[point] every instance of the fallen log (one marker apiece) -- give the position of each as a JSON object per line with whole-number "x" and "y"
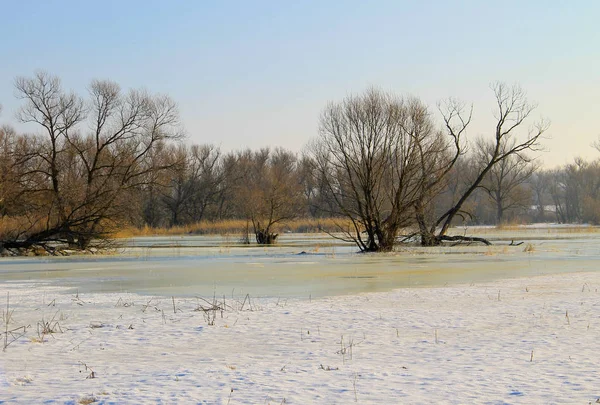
{"x": 464, "y": 239}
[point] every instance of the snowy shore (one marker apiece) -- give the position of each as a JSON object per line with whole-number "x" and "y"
{"x": 527, "y": 340}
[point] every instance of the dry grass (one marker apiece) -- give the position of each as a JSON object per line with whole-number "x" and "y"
{"x": 566, "y": 229}
{"x": 509, "y": 227}
{"x": 520, "y": 229}
{"x": 10, "y": 227}
{"x": 583, "y": 229}
{"x": 235, "y": 226}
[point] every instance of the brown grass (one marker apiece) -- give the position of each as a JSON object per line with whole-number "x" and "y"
{"x": 574, "y": 229}
{"x": 235, "y": 226}
{"x": 11, "y": 226}
{"x": 529, "y": 248}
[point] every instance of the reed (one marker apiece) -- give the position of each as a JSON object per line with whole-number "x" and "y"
{"x": 234, "y": 226}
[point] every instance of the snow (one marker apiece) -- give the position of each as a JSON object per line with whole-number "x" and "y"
{"x": 523, "y": 340}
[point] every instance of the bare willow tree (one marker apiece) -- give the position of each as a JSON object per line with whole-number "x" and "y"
{"x": 512, "y": 112}
{"x": 371, "y": 154}
{"x": 439, "y": 156}
{"x": 87, "y": 156}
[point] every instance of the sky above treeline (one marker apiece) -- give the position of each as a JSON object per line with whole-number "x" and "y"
{"x": 258, "y": 73}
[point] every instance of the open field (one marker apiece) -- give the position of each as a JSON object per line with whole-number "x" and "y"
{"x": 207, "y": 321}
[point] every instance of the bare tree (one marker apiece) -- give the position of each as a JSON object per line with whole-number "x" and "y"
{"x": 370, "y": 155}
{"x": 540, "y": 186}
{"x": 270, "y": 191}
{"x": 194, "y": 183}
{"x": 557, "y": 189}
{"x": 178, "y": 191}
{"x": 88, "y": 155}
{"x": 505, "y": 181}
{"x": 10, "y": 190}
{"x": 207, "y": 181}
{"x": 595, "y": 144}
{"x": 513, "y": 110}
{"x": 438, "y": 157}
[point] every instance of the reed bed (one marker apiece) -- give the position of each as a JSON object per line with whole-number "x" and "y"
{"x": 235, "y": 226}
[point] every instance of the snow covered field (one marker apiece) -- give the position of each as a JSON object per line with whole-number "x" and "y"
{"x": 525, "y": 340}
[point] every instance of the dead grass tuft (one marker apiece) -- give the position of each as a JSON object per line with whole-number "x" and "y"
{"x": 529, "y": 248}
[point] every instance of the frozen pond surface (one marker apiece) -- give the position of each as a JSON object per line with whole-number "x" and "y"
{"x": 306, "y": 265}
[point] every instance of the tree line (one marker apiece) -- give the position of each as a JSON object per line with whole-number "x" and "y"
{"x": 384, "y": 168}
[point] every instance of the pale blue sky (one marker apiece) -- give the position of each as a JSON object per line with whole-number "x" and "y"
{"x": 257, "y": 73}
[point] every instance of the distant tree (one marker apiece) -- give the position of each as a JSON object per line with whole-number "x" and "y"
{"x": 207, "y": 181}
{"x": 309, "y": 183}
{"x": 539, "y": 183}
{"x": 557, "y": 192}
{"x": 575, "y": 191}
{"x": 505, "y": 182}
{"x": 194, "y": 183}
{"x": 232, "y": 170}
{"x": 178, "y": 190}
{"x": 595, "y": 144}
{"x": 11, "y": 192}
{"x": 270, "y": 191}
{"x": 573, "y": 183}
{"x": 583, "y": 190}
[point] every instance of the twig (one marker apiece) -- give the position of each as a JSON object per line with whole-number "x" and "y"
{"x": 6, "y": 319}
{"x": 88, "y": 368}
{"x": 247, "y": 297}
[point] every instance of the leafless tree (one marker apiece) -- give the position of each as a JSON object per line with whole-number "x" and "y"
{"x": 10, "y": 189}
{"x": 557, "y": 191}
{"x": 270, "y": 191}
{"x": 88, "y": 154}
{"x": 438, "y": 159}
{"x": 505, "y": 183}
{"x": 194, "y": 183}
{"x": 207, "y": 182}
{"x": 371, "y": 155}
{"x": 595, "y": 144}
{"x": 539, "y": 184}
{"x": 581, "y": 191}
{"x": 512, "y": 112}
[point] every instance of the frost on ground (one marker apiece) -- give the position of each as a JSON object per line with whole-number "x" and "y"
{"x": 531, "y": 340}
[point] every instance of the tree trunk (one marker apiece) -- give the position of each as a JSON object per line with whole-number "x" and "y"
{"x": 499, "y": 212}
{"x": 428, "y": 237}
